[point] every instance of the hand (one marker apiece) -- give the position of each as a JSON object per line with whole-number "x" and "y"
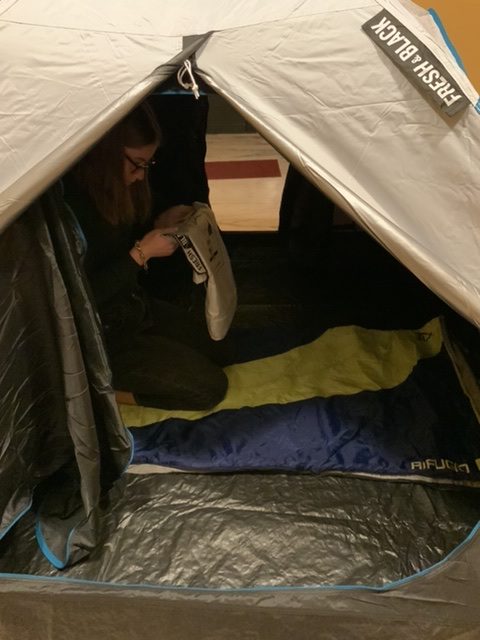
{"x": 155, "y": 244}
{"x": 173, "y": 216}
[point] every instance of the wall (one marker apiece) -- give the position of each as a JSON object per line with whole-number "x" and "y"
{"x": 461, "y": 19}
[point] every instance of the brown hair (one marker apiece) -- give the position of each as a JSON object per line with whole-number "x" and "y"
{"x": 100, "y": 172}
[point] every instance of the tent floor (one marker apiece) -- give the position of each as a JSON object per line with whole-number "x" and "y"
{"x": 248, "y": 530}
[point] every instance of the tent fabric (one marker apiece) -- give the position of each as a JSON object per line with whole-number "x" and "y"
{"x": 224, "y": 542}
{"x": 239, "y": 531}
{"x": 71, "y": 445}
{"x": 72, "y": 104}
{"x": 129, "y": 612}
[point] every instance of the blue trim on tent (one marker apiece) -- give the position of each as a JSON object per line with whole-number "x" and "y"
{"x": 18, "y": 517}
{"x": 132, "y": 450}
{"x": 44, "y": 548}
{"x": 178, "y": 92}
{"x": 436, "y": 18}
{"x": 448, "y": 42}
{"x": 117, "y": 585}
{"x": 79, "y": 230}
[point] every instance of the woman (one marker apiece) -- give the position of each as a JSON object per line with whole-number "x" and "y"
{"x": 158, "y": 355}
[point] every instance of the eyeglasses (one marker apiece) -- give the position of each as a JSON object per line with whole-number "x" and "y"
{"x": 144, "y": 166}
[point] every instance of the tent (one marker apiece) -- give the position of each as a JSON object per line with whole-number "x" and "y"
{"x": 366, "y": 100}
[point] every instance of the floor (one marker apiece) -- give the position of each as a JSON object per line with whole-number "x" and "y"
{"x": 249, "y": 201}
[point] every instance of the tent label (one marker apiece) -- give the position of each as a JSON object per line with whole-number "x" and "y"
{"x": 418, "y": 63}
{"x": 440, "y": 465}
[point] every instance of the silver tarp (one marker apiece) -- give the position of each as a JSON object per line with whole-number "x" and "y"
{"x": 262, "y": 530}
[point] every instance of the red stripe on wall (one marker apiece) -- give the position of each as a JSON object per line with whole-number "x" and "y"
{"x": 240, "y": 169}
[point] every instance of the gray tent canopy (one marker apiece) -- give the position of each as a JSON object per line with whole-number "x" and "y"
{"x": 329, "y": 84}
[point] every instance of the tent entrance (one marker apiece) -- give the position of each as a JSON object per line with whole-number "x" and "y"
{"x": 248, "y": 530}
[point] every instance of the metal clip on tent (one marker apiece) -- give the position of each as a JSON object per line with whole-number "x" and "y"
{"x": 187, "y": 68}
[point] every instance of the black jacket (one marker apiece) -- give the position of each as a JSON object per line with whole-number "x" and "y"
{"x": 111, "y": 271}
